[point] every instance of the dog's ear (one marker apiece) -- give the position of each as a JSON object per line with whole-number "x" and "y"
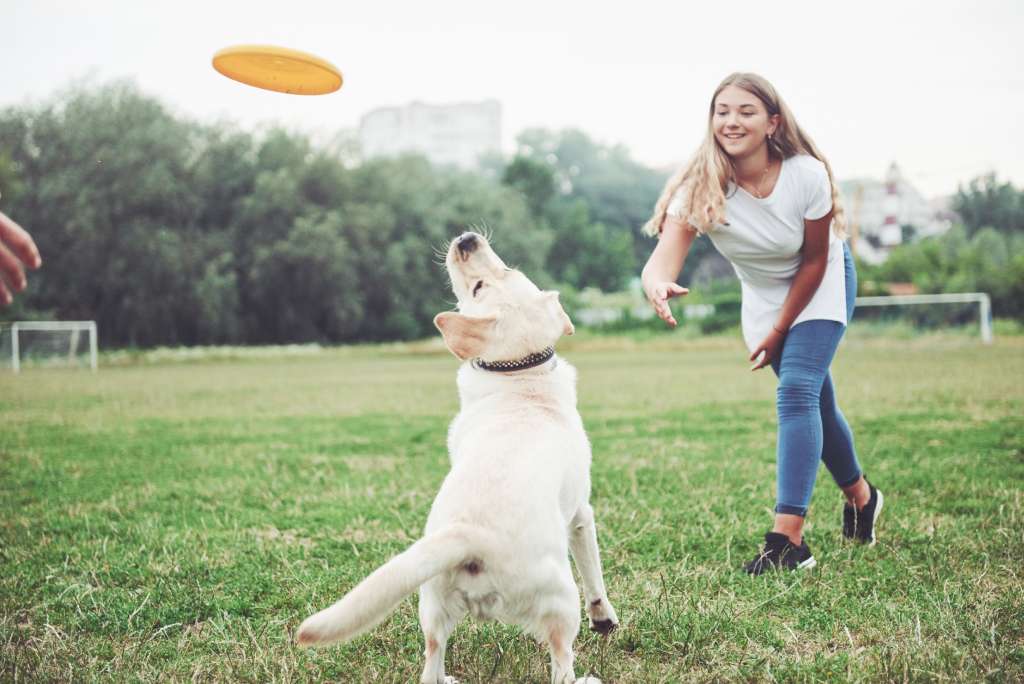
{"x": 465, "y": 336}
{"x": 551, "y": 299}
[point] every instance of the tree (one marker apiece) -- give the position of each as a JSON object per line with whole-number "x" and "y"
{"x": 534, "y": 179}
{"x": 986, "y": 202}
{"x": 170, "y": 232}
{"x": 106, "y": 192}
{"x": 306, "y": 288}
{"x": 991, "y": 261}
{"x": 619, "y": 192}
{"x": 586, "y": 253}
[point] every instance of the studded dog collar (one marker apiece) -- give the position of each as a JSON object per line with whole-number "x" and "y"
{"x": 535, "y": 359}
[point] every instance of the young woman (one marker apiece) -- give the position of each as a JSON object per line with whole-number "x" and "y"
{"x": 765, "y": 195}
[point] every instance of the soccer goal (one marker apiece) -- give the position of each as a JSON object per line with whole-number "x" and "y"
{"x": 51, "y": 343}
{"x": 979, "y": 298}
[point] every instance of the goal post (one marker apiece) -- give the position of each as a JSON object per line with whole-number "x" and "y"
{"x": 73, "y": 328}
{"x": 980, "y": 298}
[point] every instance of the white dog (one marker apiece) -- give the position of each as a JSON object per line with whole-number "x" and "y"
{"x": 515, "y": 502}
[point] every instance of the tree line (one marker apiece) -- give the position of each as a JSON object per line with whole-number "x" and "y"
{"x": 171, "y": 232}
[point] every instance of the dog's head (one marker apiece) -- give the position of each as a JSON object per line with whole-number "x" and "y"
{"x": 502, "y": 316}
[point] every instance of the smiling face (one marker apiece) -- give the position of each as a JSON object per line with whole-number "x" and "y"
{"x": 502, "y": 315}
{"x": 740, "y": 122}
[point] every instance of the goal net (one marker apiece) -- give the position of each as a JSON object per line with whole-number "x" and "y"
{"x": 48, "y": 344}
{"x": 930, "y": 312}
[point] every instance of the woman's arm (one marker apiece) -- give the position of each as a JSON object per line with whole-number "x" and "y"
{"x": 811, "y": 272}
{"x": 805, "y": 284}
{"x": 665, "y": 264}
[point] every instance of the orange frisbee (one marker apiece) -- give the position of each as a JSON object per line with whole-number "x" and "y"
{"x": 279, "y": 69}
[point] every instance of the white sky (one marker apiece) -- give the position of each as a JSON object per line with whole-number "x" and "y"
{"x": 936, "y": 86}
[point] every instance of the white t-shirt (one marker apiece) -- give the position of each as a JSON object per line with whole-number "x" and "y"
{"x": 763, "y": 240}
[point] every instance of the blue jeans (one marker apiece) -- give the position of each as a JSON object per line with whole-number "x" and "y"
{"x": 811, "y": 426}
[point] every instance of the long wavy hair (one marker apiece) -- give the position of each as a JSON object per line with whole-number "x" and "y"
{"x": 705, "y": 178}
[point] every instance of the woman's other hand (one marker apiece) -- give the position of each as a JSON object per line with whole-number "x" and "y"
{"x": 768, "y": 350}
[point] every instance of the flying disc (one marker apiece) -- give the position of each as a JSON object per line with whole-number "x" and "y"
{"x": 279, "y": 69}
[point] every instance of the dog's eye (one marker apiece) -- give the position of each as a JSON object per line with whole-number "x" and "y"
{"x": 476, "y": 288}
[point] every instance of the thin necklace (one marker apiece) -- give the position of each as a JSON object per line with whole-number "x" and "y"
{"x": 757, "y": 190}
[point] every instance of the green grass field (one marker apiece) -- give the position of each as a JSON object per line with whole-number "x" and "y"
{"x": 176, "y": 521}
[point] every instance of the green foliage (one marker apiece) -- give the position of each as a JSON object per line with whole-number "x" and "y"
{"x": 727, "y": 305}
{"x": 618, "y": 192}
{"x": 990, "y": 261}
{"x": 106, "y": 193}
{"x": 309, "y": 278}
{"x": 534, "y": 179}
{"x": 167, "y": 232}
{"x": 593, "y": 198}
{"x": 987, "y": 203}
{"x": 586, "y": 253}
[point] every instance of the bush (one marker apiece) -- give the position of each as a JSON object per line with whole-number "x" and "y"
{"x": 989, "y": 261}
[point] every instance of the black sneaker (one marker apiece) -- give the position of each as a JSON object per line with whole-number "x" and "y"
{"x": 781, "y": 554}
{"x": 860, "y": 525}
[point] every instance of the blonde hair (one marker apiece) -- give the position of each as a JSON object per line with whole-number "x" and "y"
{"x": 705, "y": 178}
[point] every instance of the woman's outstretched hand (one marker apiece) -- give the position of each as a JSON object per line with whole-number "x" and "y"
{"x": 658, "y": 295}
{"x": 16, "y": 252}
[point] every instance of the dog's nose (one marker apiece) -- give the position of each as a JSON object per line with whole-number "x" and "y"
{"x": 467, "y": 243}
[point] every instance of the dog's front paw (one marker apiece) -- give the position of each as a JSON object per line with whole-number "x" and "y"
{"x": 603, "y": 619}
{"x": 587, "y": 680}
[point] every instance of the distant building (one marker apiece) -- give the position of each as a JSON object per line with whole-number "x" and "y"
{"x": 454, "y": 134}
{"x": 882, "y": 215}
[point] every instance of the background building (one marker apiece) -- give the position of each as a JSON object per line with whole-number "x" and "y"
{"x": 455, "y": 134}
{"x": 883, "y": 214}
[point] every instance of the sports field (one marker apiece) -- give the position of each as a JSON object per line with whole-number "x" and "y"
{"x": 177, "y": 520}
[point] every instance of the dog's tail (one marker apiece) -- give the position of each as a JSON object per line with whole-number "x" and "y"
{"x": 373, "y": 599}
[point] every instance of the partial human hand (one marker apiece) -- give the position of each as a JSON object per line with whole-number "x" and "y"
{"x": 17, "y": 250}
{"x": 658, "y": 295}
{"x": 768, "y": 350}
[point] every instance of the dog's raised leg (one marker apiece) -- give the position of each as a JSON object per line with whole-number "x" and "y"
{"x": 583, "y": 544}
{"x": 437, "y": 621}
